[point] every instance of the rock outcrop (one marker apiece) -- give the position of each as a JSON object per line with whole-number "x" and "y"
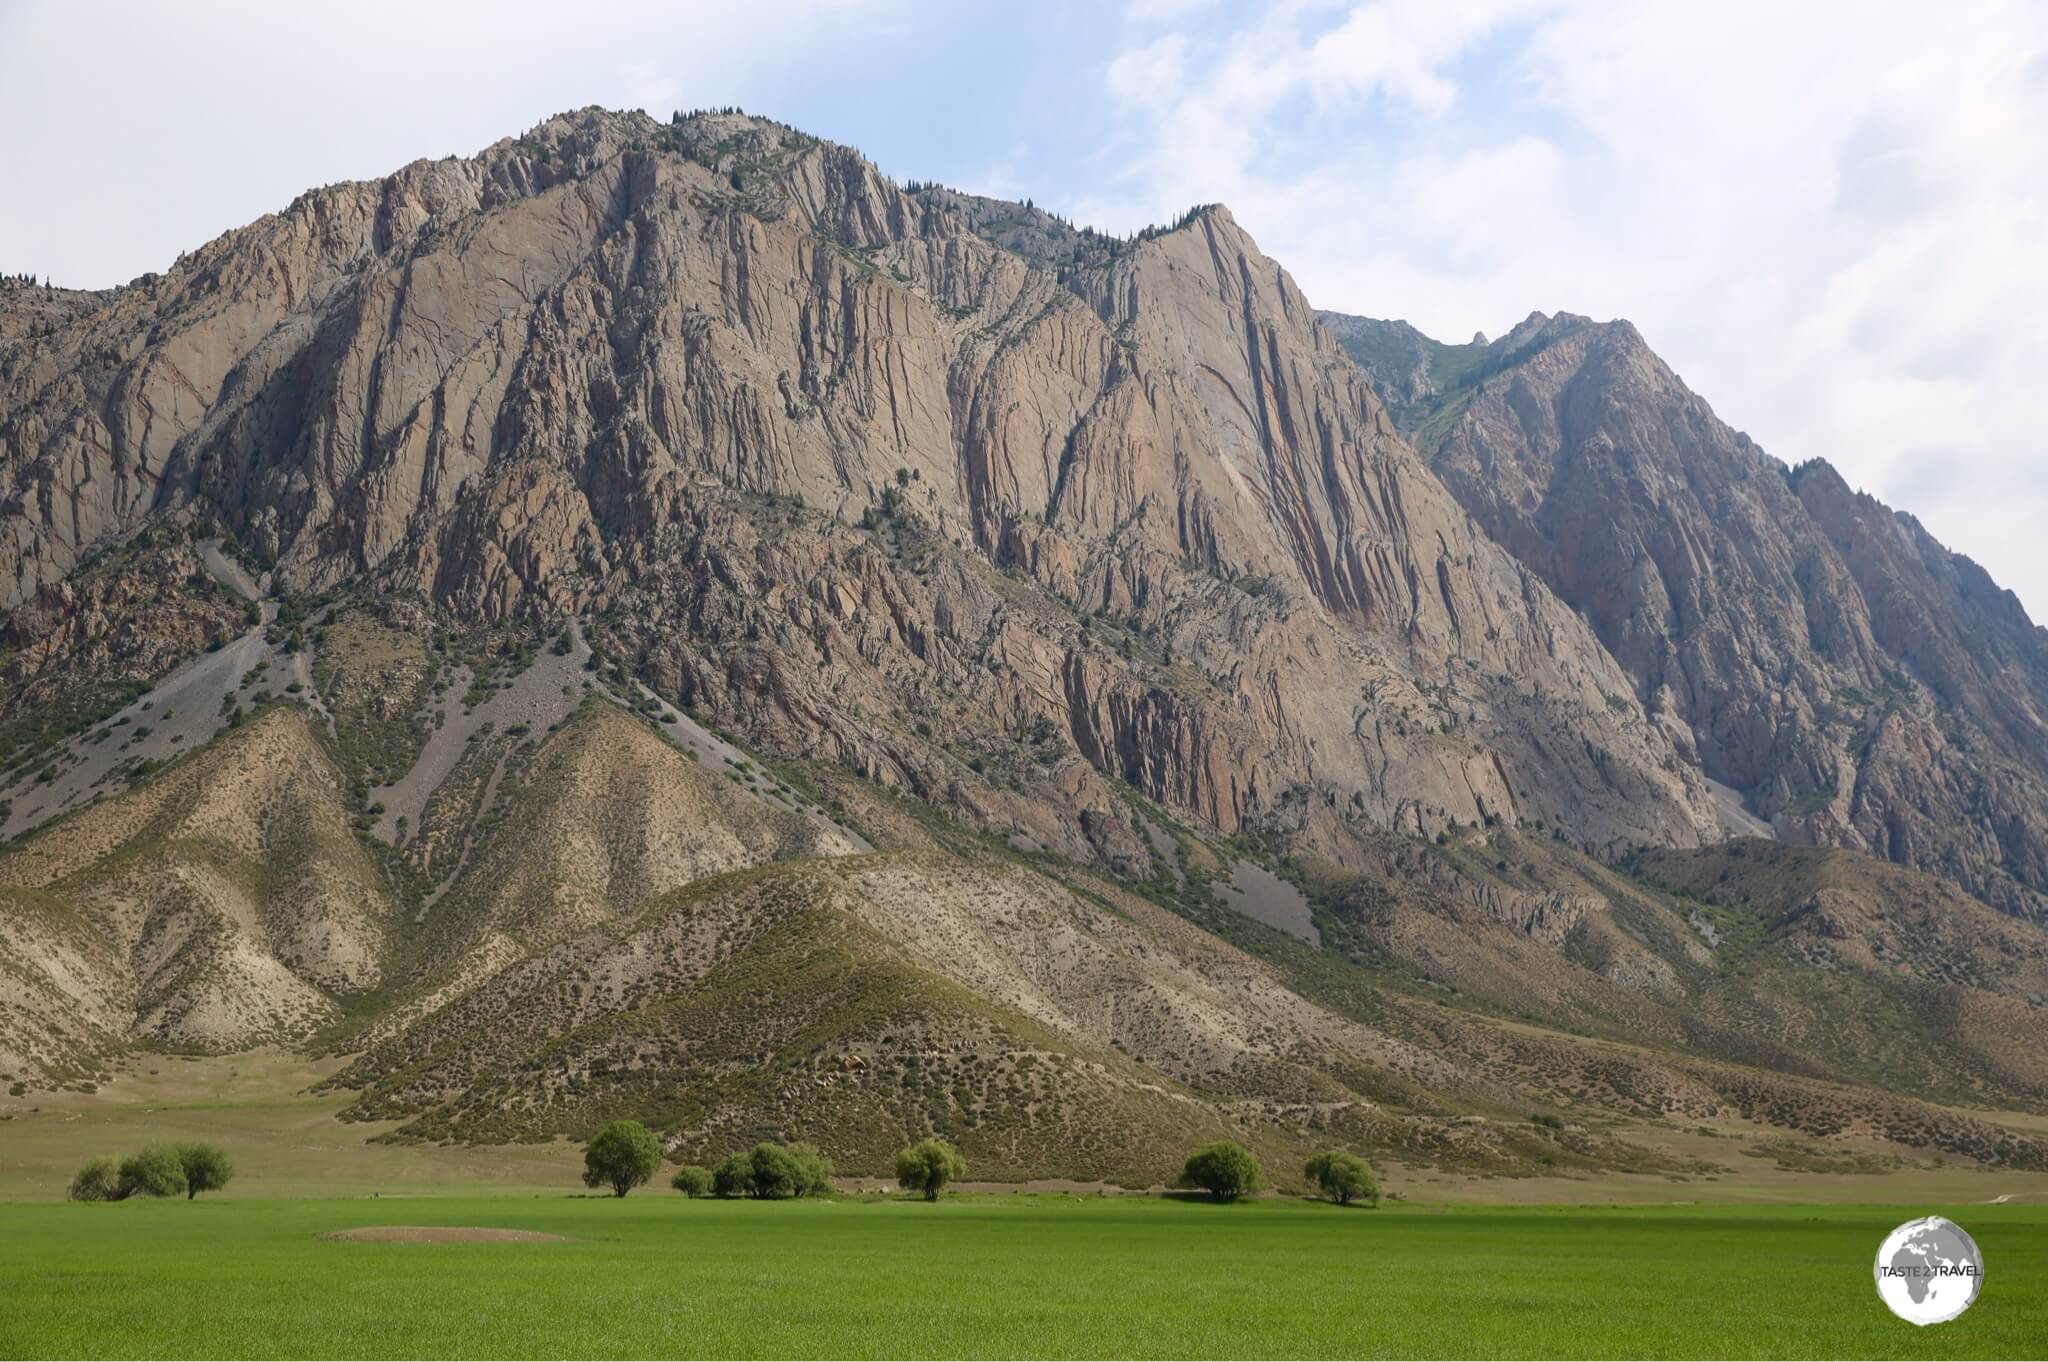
{"x": 1859, "y": 683}
{"x": 729, "y": 386}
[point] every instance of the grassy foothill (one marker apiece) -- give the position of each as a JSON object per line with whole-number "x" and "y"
{"x": 988, "y": 1276}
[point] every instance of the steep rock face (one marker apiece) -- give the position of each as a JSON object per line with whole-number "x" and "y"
{"x": 115, "y": 625}
{"x": 1862, "y": 685}
{"x": 531, "y": 384}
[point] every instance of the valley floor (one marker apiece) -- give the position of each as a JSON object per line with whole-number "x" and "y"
{"x": 1779, "y": 1267}
{"x": 987, "y": 1276}
{"x": 286, "y": 1142}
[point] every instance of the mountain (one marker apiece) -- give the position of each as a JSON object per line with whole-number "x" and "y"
{"x": 663, "y": 372}
{"x": 658, "y": 619}
{"x": 633, "y": 930}
{"x": 1859, "y": 684}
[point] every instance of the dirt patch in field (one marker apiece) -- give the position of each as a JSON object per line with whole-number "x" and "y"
{"x": 441, "y": 1234}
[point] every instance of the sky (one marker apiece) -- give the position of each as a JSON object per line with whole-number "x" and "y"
{"x": 1830, "y": 218}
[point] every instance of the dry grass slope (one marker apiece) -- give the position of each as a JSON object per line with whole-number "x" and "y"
{"x": 224, "y": 904}
{"x": 632, "y": 932}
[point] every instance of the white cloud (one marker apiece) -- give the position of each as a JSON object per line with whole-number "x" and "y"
{"x": 1398, "y": 48}
{"x": 1144, "y": 76}
{"x": 143, "y": 130}
{"x": 649, "y": 89}
{"x": 1827, "y": 216}
{"x": 1162, "y": 11}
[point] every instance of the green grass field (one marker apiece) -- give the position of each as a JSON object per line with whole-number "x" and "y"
{"x": 995, "y": 1276}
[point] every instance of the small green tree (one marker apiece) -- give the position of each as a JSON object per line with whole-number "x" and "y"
{"x": 692, "y": 1181}
{"x": 99, "y": 1180}
{"x": 733, "y": 1176}
{"x": 928, "y": 1166}
{"x": 621, "y": 1156}
{"x": 156, "y": 1171}
{"x": 772, "y": 1174}
{"x": 206, "y": 1168}
{"x": 814, "y": 1170}
{"x": 1344, "y": 1178}
{"x": 1226, "y": 1170}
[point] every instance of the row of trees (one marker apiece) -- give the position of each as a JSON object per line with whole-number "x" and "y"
{"x": 767, "y": 1172}
{"x": 160, "y": 1170}
{"x": 626, "y": 1154}
{"x": 1226, "y": 1170}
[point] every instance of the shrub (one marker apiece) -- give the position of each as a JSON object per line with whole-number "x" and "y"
{"x": 733, "y": 1176}
{"x": 1225, "y": 1170}
{"x": 814, "y": 1170}
{"x": 692, "y": 1181}
{"x": 99, "y": 1180}
{"x": 156, "y": 1171}
{"x": 928, "y": 1166}
{"x": 1345, "y": 1178}
{"x": 773, "y": 1172}
{"x": 621, "y": 1156}
{"x": 206, "y": 1168}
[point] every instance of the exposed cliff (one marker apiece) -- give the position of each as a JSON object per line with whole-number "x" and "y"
{"x": 533, "y": 384}
{"x": 1861, "y": 684}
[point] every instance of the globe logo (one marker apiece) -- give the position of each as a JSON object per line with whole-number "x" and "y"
{"x": 1929, "y": 1271}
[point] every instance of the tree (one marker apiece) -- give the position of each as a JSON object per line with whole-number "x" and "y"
{"x": 156, "y": 1171}
{"x": 733, "y": 1176}
{"x": 1226, "y": 1170}
{"x": 773, "y": 1172}
{"x": 1344, "y": 1177}
{"x": 206, "y": 1168}
{"x": 814, "y": 1170}
{"x": 928, "y": 1166}
{"x": 790, "y": 1170}
{"x": 692, "y": 1181}
{"x": 99, "y": 1180}
{"x": 621, "y": 1156}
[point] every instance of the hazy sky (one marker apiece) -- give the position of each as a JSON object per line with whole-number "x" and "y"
{"x": 1831, "y": 218}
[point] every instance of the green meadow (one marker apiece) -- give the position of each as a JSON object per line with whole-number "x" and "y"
{"x": 988, "y": 1276}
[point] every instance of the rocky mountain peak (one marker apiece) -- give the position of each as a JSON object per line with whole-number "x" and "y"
{"x": 525, "y": 385}
{"x": 1833, "y": 663}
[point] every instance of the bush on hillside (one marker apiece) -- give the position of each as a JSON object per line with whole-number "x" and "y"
{"x": 692, "y": 1181}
